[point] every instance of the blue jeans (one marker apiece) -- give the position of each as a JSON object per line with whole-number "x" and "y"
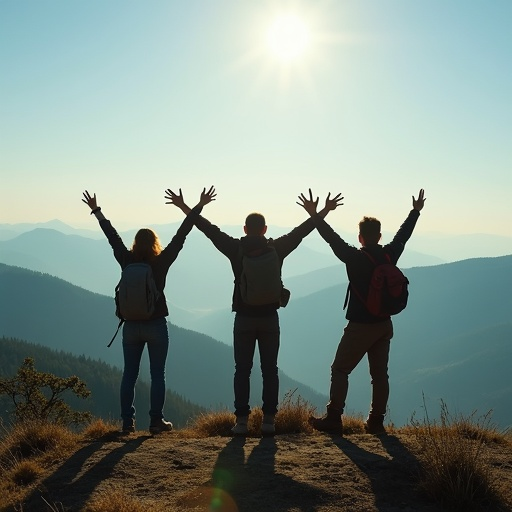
{"x": 135, "y": 335}
{"x": 245, "y": 333}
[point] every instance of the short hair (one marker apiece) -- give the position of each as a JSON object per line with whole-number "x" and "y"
{"x": 146, "y": 245}
{"x": 369, "y": 229}
{"x": 255, "y": 224}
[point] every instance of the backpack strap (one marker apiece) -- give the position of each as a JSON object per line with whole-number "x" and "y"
{"x": 121, "y": 322}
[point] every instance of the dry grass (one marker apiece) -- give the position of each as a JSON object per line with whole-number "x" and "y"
{"x": 25, "y": 451}
{"x": 99, "y": 429}
{"x": 292, "y": 418}
{"x": 454, "y": 471}
{"x": 116, "y": 501}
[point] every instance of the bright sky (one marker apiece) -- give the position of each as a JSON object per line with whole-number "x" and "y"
{"x": 262, "y": 99}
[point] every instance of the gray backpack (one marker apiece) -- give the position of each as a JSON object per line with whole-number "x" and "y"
{"x": 260, "y": 281}
{"x": 136, "y": 294}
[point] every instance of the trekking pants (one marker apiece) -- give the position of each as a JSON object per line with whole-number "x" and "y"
{"x": 247, "y": 330}
{"x": 359, "y": 339}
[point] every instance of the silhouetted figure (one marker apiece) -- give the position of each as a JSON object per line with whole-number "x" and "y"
{"x": 364, "y": 333}
{"x": 153, "y": 331}
{"x": 253, "y": 323}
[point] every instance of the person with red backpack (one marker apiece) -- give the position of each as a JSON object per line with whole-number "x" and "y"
{"x": 377, "y": 290}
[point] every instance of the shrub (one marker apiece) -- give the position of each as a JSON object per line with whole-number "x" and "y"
{"x": 38, "y": 396}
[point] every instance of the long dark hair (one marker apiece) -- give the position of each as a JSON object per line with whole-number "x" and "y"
{"x": 146, "y": 245}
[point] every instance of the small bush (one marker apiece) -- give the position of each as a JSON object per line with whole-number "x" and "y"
{"x": 38, "y": 396}
{"x": 451, "y": 454}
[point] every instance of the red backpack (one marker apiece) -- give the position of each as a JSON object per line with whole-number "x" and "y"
{"x": 388, "y": 291}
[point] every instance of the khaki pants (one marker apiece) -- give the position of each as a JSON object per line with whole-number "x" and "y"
{"x": 357, "y": 340}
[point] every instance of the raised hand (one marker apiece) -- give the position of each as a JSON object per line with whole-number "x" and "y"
{"x": 207, "y": 197}
{"x": 310, "y": 205}
{"x": 175, "y": 199}
{"x": 332, "y": 204}
{"x": 90, "y": 200}
{"x": 418, "y": 204}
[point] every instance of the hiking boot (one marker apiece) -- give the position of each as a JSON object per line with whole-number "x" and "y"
{"x": 128, "y": 426}
{"x": 330, "y": 423}
{"x": 268, "y": 427}
{"x": 375, "y": 425}
{"x": 159, "y": 425}
{"x": 240, "y": 427}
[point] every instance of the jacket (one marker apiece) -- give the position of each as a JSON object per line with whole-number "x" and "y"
{"x": 230, "y": 247}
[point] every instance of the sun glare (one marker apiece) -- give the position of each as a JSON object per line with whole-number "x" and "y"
{"x": 288, "y": 37}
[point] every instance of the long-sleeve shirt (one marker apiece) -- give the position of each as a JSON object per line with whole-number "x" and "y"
{"x": 233, "y": 247}
{"x": 160, "y": 264}
{"x": 359, "y": 267}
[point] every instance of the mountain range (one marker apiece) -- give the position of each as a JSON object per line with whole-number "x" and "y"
{"x": 458, "y": 317}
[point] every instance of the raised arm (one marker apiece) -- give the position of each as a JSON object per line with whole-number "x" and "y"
{"x": 92, "y": 203}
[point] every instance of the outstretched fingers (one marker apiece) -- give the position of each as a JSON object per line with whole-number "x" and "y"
{"x": 89, "y": 200}
{"x": 172, "y": 197}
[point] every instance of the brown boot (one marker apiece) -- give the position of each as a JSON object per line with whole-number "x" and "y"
{"x": 375, "y": 424}
{"x": 330, "y": 423}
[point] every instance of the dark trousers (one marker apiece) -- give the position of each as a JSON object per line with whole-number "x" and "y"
{"x": 358, "y": 340}
{"x": 246, "y": 331}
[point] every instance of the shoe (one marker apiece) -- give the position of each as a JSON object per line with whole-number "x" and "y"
{"x": 160, "y": 425}
{"x": 331, "y": 424}
{"x": 240, "y": 427}
{"x": 128, "y": 426}
{"x": 268, "y": 427}
{"x": 374, "y": 425}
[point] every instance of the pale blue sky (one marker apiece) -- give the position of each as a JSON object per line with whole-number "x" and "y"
{"x": 127, "y": 98}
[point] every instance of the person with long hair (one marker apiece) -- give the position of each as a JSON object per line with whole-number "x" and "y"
{"x": 146, "y": 248}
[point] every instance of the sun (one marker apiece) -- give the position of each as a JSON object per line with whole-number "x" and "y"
{"x": 288, "y": 37}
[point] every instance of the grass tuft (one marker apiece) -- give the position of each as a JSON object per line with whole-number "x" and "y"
{"x": 454, "y": 471}
{"x": 117, "y": 501}
{"x": 99, "y": 429}
{"x": 24, "y": 473}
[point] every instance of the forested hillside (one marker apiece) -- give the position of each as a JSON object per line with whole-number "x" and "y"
{"x": 43, "y": 309}
{"x": 102, "y": 380}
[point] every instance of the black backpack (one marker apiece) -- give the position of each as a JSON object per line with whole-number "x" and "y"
{"x": 136, "y": 294}
{"x": 388, "y": 291}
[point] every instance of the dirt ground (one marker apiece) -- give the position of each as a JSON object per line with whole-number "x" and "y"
{"x": 292, "y": 473}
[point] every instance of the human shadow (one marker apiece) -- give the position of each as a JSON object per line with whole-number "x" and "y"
{"x": 393, "y": 480}
{"x": 256, "y": 486}
{"x": 70, "y": 485}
